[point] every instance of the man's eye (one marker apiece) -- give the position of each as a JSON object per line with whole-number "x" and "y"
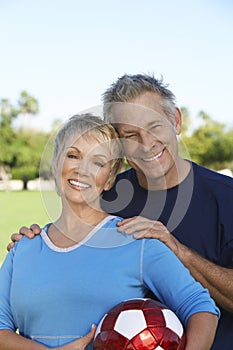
{"x": 156, "y": 126}
{"x": 129, "y": 136}
{"x": 99, "y": 164}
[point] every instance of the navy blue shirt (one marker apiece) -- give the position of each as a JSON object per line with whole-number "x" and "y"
{"x": 198, "y": 212}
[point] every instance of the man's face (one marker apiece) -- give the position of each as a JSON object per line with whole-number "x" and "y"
{"x": 149, "y": 137}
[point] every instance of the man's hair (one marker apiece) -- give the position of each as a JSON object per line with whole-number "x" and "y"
{"x": 88, "y": 125}
{"x": 128, "y": 87}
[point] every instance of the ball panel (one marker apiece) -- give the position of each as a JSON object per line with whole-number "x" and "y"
{"x": 154, "y": 317}
{"x": 182, "y": 343}
{"x": 110, "y": 340}
{"x": 173, "y": 322}
{"x": 126, "y": 325}
{"x": 157, "y": 333}
{"x": 133, "y": 304}
{"x": 170, "y": 340}
{"x": 144, "y": 341}
{"x": 108, "y": 322}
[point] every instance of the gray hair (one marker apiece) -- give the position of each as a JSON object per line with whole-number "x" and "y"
{"x": 128, "y": 87}
{"x": 89, "y": 125}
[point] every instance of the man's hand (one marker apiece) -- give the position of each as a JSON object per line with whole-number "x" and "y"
{"x": 146, "y": 228}
{"x": 24, "y": 231}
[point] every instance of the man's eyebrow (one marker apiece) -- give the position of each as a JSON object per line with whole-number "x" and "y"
{"x": 154, "y": 122}
{"x": 131, "y": 128}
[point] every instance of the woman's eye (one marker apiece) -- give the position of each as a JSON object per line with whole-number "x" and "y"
{"x": 72, "y": 156}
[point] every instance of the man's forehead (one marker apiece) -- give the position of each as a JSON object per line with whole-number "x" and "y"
{"x": 136, "y": 115}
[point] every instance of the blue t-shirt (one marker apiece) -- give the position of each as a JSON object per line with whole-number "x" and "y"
{"x": 198, "y": 212}
{"x": 53, "y": 295}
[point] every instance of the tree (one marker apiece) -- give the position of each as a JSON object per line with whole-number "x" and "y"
{"x": 8, "y": 113}
{"x": 28, "y": 105}
{"x": 210, "y": 144}
{"x": 28, "y": 150}
{"x": 20, "y": 150}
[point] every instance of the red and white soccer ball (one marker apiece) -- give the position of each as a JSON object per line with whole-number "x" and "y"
{"x": 140, "y": 324}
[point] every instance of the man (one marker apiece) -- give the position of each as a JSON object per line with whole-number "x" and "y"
{"x": 186, "y": 206}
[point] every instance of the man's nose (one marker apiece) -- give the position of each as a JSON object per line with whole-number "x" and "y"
{"x": 148, "y": 140}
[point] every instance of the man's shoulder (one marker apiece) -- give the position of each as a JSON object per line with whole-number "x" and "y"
{"x": 212, "y": 178}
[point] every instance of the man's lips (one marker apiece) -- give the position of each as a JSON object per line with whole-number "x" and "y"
{"x": 150, "y": 159}
{"x": 78, "y": 184}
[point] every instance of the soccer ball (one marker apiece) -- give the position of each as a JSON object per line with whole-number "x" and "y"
{"x": 140, "y": 324}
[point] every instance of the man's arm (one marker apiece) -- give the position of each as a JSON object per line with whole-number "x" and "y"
{"x": 218, "y": 280}
{"x": 24, "y": 231}
{"x": 201, "y": 331}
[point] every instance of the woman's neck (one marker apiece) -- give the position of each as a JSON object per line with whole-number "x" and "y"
{"x": 74, "y": 225}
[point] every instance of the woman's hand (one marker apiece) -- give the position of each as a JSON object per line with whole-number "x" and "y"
{"x": 24, "y": 231}
{"x": 145, "y": 228}
{"x": 9, "y": 340}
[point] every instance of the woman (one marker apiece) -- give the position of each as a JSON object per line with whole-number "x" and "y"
{"x": 54, "y": 287}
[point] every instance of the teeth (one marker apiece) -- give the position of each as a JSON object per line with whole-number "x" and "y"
{"x": 79, "y": 184}
{"x": 153, "y": 158}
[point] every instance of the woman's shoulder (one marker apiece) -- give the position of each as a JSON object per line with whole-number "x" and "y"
{"x": 107, "y": 235}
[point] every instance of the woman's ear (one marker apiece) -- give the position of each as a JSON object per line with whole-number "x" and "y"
{"x": 178, "y": 121}
{"x": 108, "y": 185}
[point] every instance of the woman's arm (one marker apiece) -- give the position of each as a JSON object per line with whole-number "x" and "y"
{"x": 201, "y": 329}
{"x": 12, "y": 341}
{"x": 217, "y": 279}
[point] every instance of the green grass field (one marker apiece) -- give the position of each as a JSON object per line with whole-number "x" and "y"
{"x": 18, "y": 209}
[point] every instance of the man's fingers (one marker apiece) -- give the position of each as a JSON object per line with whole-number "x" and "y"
{"x": 16, "y": 237}
{"x": 35, "y": 229}
{"x": 25, "y": 231}
{"x": 125, "y": 221}
{"x": 10, "y": 246}
{"x": 136, "y": 226}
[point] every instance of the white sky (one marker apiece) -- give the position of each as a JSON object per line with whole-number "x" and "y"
{"x": 67, "y": 52}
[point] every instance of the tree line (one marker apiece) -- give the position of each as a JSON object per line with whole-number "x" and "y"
{"x": 21, "y": 148}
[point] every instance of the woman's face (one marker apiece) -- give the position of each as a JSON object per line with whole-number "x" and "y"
{"x": 83, "y": 170}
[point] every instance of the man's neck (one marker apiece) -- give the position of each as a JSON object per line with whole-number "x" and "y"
{"x": 174, "y": 177}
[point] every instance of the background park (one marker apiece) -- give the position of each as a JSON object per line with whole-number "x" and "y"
{"x": 22, "y": 149}
{"x": 59, "y": 56}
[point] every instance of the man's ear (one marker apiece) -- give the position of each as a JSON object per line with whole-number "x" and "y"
{"x": 178, "y": 121}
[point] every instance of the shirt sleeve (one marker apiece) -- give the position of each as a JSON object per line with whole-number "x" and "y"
{"x": 6, "y": 317}
{"x": 172, "y": 283}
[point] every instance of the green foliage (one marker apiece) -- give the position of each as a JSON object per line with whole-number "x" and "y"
{"x": 210, "y": 144}
{"x": 8, "y": 113}
{"x": 28, "y": 104}
{"x": 21, "y": 149}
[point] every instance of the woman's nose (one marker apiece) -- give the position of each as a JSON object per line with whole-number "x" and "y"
{"x": 82, "y": 167}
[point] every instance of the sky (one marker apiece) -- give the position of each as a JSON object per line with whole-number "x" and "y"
{"x": 67, "y": 52}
